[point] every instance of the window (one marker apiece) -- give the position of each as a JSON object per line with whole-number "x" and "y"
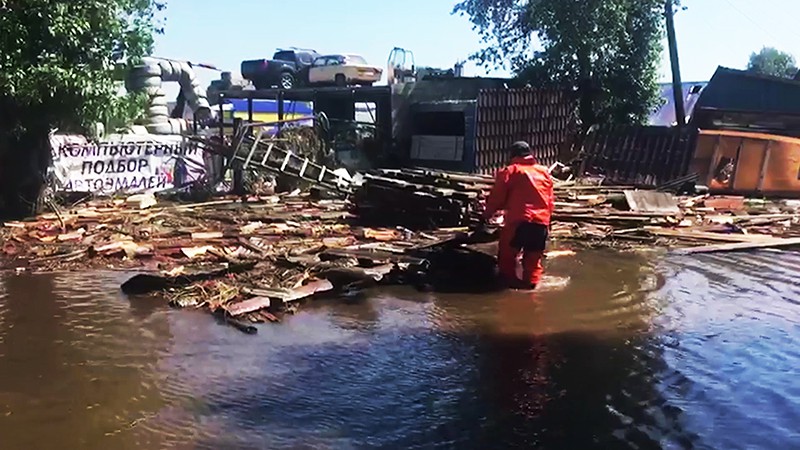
{"x": 724, "y": 170}
{"x": 439, "y": 123}
{"x": 284, "y": 56}
{"x": 355, "y": 59}
{"x": 305, "y": 58}
{"x": 320, "y": 62}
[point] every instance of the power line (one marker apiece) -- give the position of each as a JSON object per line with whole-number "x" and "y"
{"x": 746, "y": 16}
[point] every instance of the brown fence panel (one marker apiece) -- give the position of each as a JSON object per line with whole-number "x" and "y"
{"x": 639, "y": 155}
{"x": 542, "y": 117}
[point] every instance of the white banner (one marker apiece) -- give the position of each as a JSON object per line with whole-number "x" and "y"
{"x": 124, "y": 163}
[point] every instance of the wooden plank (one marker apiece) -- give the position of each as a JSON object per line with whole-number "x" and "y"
{"x": 764, "y": 165}
{"x": 736, "y": 165}
{"x": 722, "y": 237}
{"x": 763, "y": 219}
{"x": 247, "y": 306}
{"x": 741, "y": 246}
{"x": 592, "y": 188}
{"x": 607, "y": 212}
{"x": 594, "y": 216}
{"x": 725, "y": 203}
{"x": 289, "y": 295}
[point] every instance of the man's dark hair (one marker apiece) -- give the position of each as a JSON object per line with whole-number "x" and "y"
{"x": 520, "y": 148}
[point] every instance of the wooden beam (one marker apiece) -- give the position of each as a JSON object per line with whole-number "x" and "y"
{"x": 699, "y": 235}
{"x": 767, "y": 243}
{"x": 764, "y": 166}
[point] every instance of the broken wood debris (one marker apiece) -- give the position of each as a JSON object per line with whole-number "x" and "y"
{"x": 251, "y": 260}
{"x": 754, "y": 245}
{"x": 625, "y": 218}
{"x": 245, "y": 260}
{"x": 420, "y": 199}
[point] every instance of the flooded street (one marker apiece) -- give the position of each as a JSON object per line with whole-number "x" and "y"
{"x": 632, "y": 352}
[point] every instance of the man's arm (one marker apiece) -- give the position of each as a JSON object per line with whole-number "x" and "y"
{"x": 497, "y": 197}
{"x": 551, "y": 196}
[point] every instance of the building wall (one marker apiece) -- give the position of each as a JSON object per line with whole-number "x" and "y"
{"x": 493, "y": 118}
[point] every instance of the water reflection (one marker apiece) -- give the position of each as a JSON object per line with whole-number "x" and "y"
{"x": 618, "y": 358}
{"x": 730, "y": 330}
{"x": 571, "y": 368}
{"x": 75, "y": 370}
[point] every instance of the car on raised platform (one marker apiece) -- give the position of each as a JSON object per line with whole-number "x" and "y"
{"x": 343, "y": 70}
{"x": 287, "y": 69}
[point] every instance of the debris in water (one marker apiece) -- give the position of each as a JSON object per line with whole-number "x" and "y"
{"x": 255, "y": 260}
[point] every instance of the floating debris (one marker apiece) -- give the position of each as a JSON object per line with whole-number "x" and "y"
{"x": 253, "y": 260}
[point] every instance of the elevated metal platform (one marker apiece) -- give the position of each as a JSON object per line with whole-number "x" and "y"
{"x": 310, "y": 94}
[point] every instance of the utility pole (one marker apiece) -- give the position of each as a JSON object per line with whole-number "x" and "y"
{"x": 677, "y": 86}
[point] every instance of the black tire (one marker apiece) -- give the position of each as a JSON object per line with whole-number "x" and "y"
{"x": 261, "y": 84}
{"x": 287, "y": 80}
{"x": 340, "y": 80}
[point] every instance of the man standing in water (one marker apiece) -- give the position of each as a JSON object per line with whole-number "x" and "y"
{"x": 524, "y": 190}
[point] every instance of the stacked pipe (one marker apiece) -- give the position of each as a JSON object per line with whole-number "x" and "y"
{"x": 149, "y": 76}
{"x": 420, "y": 199}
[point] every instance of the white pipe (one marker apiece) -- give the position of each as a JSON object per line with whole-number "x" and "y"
{"x": 149, "y": 77}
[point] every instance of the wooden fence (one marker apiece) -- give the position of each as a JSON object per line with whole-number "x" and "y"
{"x": 644, "y": 156}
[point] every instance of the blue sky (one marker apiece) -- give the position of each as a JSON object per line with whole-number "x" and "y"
{"x": 223, "y": 33}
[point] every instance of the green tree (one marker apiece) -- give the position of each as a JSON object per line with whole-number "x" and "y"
{"x": 58, "y": 60}
{"x": 771, "y": 61}
{"x": 609, "y": 51}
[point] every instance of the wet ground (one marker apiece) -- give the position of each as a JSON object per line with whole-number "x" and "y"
{"x": 633, "y": 352}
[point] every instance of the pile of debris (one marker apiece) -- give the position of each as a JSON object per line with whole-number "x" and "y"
{"x": 587, "y": 213}
{"x": 421, "y": 199}
{"x": 246, "y": 261}
{"x": 621, "y": 216}
{"x": 137, "y": 232}
{"x": 251, "y": 260}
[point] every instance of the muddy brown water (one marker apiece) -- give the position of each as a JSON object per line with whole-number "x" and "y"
{"x": 633, "y": 352}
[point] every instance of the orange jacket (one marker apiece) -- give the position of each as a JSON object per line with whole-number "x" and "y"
{"x": 524, "y": 190}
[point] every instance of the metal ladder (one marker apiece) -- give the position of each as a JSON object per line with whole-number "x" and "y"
{"x": 262, "y": 152}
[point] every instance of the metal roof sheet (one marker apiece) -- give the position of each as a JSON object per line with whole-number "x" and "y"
{"x": 742, "y": 91}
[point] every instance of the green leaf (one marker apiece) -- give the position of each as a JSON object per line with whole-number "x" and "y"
{"x": 607, "y": 50}
{"x": 58, "y": 59}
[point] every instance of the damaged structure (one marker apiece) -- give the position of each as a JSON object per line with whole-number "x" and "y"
{"x": 743, "y": 126}
{"x": 388, "y": 186}
{"x": 467, "y": 124}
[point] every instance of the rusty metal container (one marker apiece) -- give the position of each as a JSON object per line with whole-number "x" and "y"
{"x": 735, "y": 162}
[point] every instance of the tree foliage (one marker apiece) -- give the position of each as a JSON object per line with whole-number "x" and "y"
{"x": 771, "y": 61}
{"x": 57, "y": 70}
{"x": 57, "y": 57}
{"x": 608, "y": 50}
